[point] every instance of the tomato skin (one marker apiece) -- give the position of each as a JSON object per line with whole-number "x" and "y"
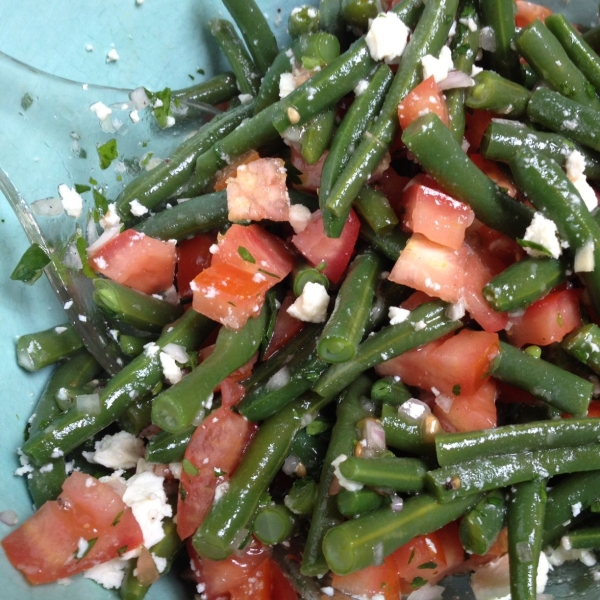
{"x": 310, "y": 175}
{"x": 286, "y": 327}
{"x": 431, "y": 268}
{"x": 193, "y": 256}
{"x": 220, "y": 438}
{"x": 528, "y": 12}
{"x": 367, "y": 583}
{"x": 436, "y": 215}
{"x": 392, "y": 186}
{"x": 43, "y": 548}
{"x": 493, "y": 171}
{"x": 231, "y": 392}
{"x": 281, "y": 587}
{"x": 477, "y": 122}
{"x": 469, "y": 412}
{"x": 257, "y": 586}
{"x": 546, "y": 321}
{"x": 334, "y": 252}
{"x": 230, "y": 170}
{"x": 424, "y": 98}
{"x": 136, "y": 260}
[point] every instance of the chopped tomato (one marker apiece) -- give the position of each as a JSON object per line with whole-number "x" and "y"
{"x": 439, "y": 217}
{"x": 333, "y": 253}
{"x": 221, "y": 577}
{"x": 216, "y": 446}
{"x": 495, "y": 173}
{"x": 415, "y": 300}
{"x": 257, "y": 586}
{"x": 454, "y": 552}
{"x": 477, "y": 122}
{"x": 254, "y": 250}
{"x": 468, "y": 412}
{"x": 380, "y": 581}
{"x": 49, "y": 545}
{"x": 231, "y": 392}
{"x": 230, "y": 170}
{"x": 546, "y": 321}
{"x": 137, "y": 261}
{"x": 281, "y": 587}
{"x": 392, "y": 185}
{"x": 493, "y": 243}
{"x": 431, "y": 268}
{"x": 528, "y": 12}
{"x": 423, "y": 99}
{"x": 310, "y": 175}
{"x": 228, "y": 295}
{"x": 594, "y": 409}
{"x": 286, "y": 327}
{"x": 193, "y": 256}
{"x": 259, "y": 191}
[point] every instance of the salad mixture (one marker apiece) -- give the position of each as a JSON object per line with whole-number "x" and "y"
{"x": 358, "y": 318}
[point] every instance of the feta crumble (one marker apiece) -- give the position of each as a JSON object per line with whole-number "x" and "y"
{"x": 348, "y": 484}
{"x": 387, "y": 37}
{"x": 108, "y": 574}
{"x": 543, "y": 231}
{"x": 170, "y": 369}
{"x": 584, "y": 258}
{"x": 72, "y": 202}
{"x": 299, "y": 217}
{"x": 397, "y": 315}
{"x": 137, "y": 209}
{"x": 112, "y": 56}
{"x": 438, "y": 67}
{"x": 311, "y": 305}
{"x": 119, "y": 451}
{"x": 575, "y": 167}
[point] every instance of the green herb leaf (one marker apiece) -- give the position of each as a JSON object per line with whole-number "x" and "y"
{"x": 310, "y": 62}
{"x": 31, "y": 265}
{"x": 101, "y": 202}
{"x": 122, "y": 550}
{"x": 82, "y": 187}
{"x": 533, "y": 246}
{"x": 26, "y": 100}
{"x": 245, "y": 254}
{"x": 427, "y": 565}
{"x": 269, "y": 274}
{"x": 81, "y": 246}
{"x": 117, "y": 519}
{"x": 107, "y": 153}
{"x": 90, "y": 545}
{"x": 417, "y": 582}
{"x": 182, "y": 493}
{"x": 189, "y": 468}
{"x": 161, "y": 106}
{"x": 456, "y": 389}
{"x": 219, "y": 472}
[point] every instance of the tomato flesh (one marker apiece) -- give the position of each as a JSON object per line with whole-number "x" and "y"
{"x": 423, "y": 99}
{"x": 285, "y": 328}
{"x": 193, "y": 256}
{"x": 380, "y": 581}
{"x": 528, "y": 12}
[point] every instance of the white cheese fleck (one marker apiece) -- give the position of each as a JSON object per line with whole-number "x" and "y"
{"x": 348, "y": 484}
{"x": 119, "y": 451}
{"x": 361, "y": 87}
{"x": 575, "y": 167}
{"x": 134, "y": 115}
{"x": 137, "y": 209}
{"x": 397, "y": 315}
{"x": 112, "y": 56}
{"x": 438, "y": 67}
{"x": 543, "y": 231}
{"x": 221, "y": 490}
{"x": 245, "y": 98}
{"x": 102, "y": 111}
{"x": 387, "y": 37}
{"x": 170, "y": 369}
{"x": 299, "y": 217}
{"x": 287, "y": 84}
{"x": 584, "y": 258}
{"x": 72, "y": 202}
{"x": 311, "y": 305}
{"x": 108, "y": 574}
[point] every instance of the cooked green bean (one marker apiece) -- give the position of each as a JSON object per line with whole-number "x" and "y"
{"x": 357, "y": 13}
{"x": 316, "y": 49}
{"x": 360, "y": 502}
{"x": 310, "y": 451}
{"x": 404, "y": 434}
{"x": 42, "y": 348}
{"x": 268, "y": 92}
{"x": 388, "y": 244}
{"x": 137, "y": 416}
{"x": 304, "y": 273}
{"x": 303, "y": 20}
{"x": 480, "y": 527}
{"x": 166, "y": 447}
{"x": 317, "y": 135}
{"x": 583, "y": 344}
{"x": 375, "y": 209}
{"x": 132, "y": 345}
{"x": 390, "y": 391}
{"x": 302, "y": 496}
{"x": 187, "y": 102}
{"x": 274, "y": 524}
{"x": 497, "y": 94}
{"x": 582, "y": 539}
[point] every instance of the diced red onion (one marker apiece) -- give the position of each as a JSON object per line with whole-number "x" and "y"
{"x": 9, "y": 517}
{"x": 397, "y": 503}
{"x": 456, "y": 79}
{"x": 427, "y": 592}
{"x": 487, "y": 39}
{"x": 139, "y": 98}
{"x": 88, "y": 404}
{"x": 47, "y": 207}
{"x": 374, "y": 435}
{"x": 444, "y": 402}
{"x": 109, "y": 234}
{"x": 290, "y": 464}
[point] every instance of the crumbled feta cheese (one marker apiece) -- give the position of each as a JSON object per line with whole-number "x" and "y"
{"x": 299, "y": 216}
{"x": 111, "y": 218}
{"x": 72, "y": 202}
{"x": 469, "y": 24}
{"x": 221, "y": 490}
{"x": 328, "y": 591}
{"x": 160, "y": 562}
{"x": 82, "y": 546}
{"x": 108, "y": 574}
{"x": 397, "y": 315}
{"x": 112, "y": 56}
{"x": 387, "y": 37}
{"x": 134, "y": 115}
{"x": 419, "y": 325}
{"x": 576, "y": 508}
{"x": 575, "y": 167}
{"x": 245, "y": 98}
{"x": 170, "y": 369}
{"x": 102, "y": 111}
{"x": 146, "y": 497}
{"x": 559, "y": 555}
{"x": 584, "y": 258}
{"x": 438, "y": 67}
{"x": 278, "y": 379}
{"x": 119, "y": 451}
{"x": 137, "y": 209}
{"x": 543, "y": 231}
{"x": 89, "y": 48}
{"x": 456, "y": 311}
{"x": 47, "y": 468}
{"x": 311, "y": 305}
{"x": 348, "y": 484}
{"x": 287, "y": 84}
{"x": 177, "y": 351}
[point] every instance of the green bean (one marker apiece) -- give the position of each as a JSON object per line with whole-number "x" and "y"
{"x": 67, "y": 397}
{"x": 188, "y": 102}
{"x": 330, "y": 18}
{"x": 578, "y": 50}
{"x": 168, "y": 547}
{"x": 390, "y": 391}
{"x": 497, "y": 94}
{"x": 367, "y": 540}
{"x": 45, "y": 483}
{"x": 465, "y": 45}
{"x": 480, "y": 527}
{"x": 132, "y": 345}
{"x": 524, "y": 282}
{"x": 375, "y": 209}
{"x": 136, "y": 379}
{"x": 179, "y": 406}
{"x": 567, "y": 117}
{"x": 592, "y": 37}
{"x": 484, "y": 474}
{"x": 390, "y": 473}
{"x": 360, "y": 502}
{"x": 347, "y": 324}
{"x": 310, "y": 451}
{"x": 428, "y": 38}
{"x": 387, "y": 294}
{"x": 550, "y": 191}
{"x": 196, "y": 215}
{"x": 453, "y": 448}
{"x": 525, "y": 519}
{"x": 583, "y": 344}
{"x": 582, "y": 539}
{"x": 166, "y": 447}
{"x": 552, "y": 64}
{"x": 351, "y": 409}
{"x": 316, "y": 49}
{"x": 388, "y": 244}
{"x": 440, "y": 155}
{"x": 578, "y": 490}
{"x": 155, "y": 186}
{"x": 219, "y": 534}
{"x": 409, "y": 11}
{"x": 405, "y": 434}
{"x": 303, "y": 20}
{"x": 317, "y": 135}
{"x": 137, "y": 416}
{"x": 500, "y": 17}
{"x": 134, "y": 308}
{"x": 268, "y": 92}
{"x": 304, "y": 273}
{"x": 388, "y": 343}
{"x": 302, "y": 496}
{"x": 555, "y": 386}
{"x": 255, "y": 30}
{"x": 246, "y": 72}
{"x": 357, "y": 13}
{"x": 274, "y": 524}
{"x": 42, "y": 348}
{"x": 501, "y": 141}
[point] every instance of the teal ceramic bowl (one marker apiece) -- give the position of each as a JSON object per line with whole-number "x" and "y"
{"x": 160, "y": 43}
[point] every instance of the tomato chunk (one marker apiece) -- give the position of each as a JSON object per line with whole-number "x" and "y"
{"x": 423, "y": 99}
{"x": 380, "y": 581}
{"x": 528, "y": 12}
{"x": 137, "y": 261}
{"x": 193, "y": 256}
{"x": 217, "y": 444}
{"x": 231, "y": 169}
{"x": 431, "y": 268}
{"x": 51, "y": 544}
{"x": 546, "y": 321}
{"x": 285, "y": 328}
{"x": 495, "y": 173}
{"x": 334, "y": 253}
{"x": 436, "y": 215}
{"x": 310, "y": 175}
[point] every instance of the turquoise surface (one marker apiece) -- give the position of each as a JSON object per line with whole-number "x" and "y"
{"x": 160, "y": 43}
